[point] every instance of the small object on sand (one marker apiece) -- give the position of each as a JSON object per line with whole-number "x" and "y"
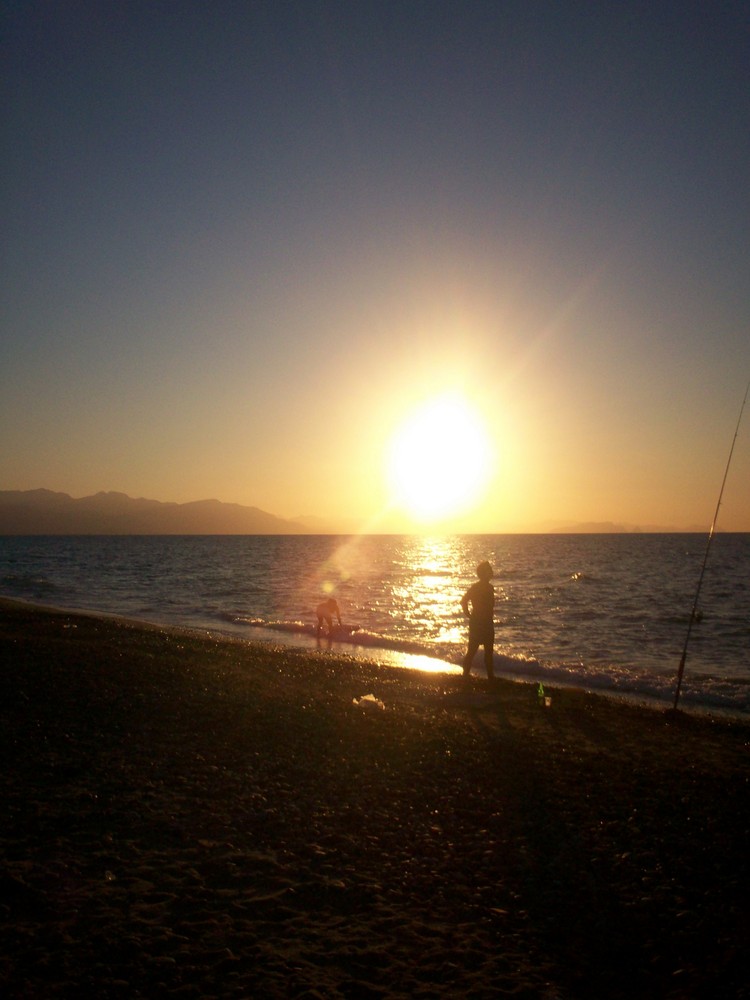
{"x": 368, "y": 701}
{"x": 545, "y": 700}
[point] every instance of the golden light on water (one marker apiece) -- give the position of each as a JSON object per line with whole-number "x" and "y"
{"x": 440, "y": 459}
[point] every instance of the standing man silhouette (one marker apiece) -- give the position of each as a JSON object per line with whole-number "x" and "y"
{"x": 479, "y": 604}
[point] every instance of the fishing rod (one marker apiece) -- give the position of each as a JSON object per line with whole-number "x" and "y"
{"x": 694, "y": 612}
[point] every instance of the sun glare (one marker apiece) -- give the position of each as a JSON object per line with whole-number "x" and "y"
{"x": 440, "y": 460}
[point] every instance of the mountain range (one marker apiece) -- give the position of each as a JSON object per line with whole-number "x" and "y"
{"x": 44, "y": 512}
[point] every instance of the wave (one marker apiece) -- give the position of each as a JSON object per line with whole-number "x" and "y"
{"x": 704, "y": 691}
{"x": 352, "y": 635}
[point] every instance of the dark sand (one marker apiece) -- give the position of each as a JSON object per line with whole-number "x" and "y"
{"x": 187, "y": 816}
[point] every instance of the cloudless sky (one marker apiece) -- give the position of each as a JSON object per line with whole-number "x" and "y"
{"x": 243, "y": 240}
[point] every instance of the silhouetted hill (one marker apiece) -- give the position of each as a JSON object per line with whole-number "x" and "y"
{"x": 42, "y": 512}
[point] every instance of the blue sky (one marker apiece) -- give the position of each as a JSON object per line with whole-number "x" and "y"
{"x": 243, "y": 241}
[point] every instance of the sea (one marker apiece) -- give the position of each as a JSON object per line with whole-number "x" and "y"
{"x": 606, "y": 613}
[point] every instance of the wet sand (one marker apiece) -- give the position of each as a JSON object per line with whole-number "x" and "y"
{"x": 197, "y": 817}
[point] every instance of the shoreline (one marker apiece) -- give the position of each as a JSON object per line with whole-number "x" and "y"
{"x": 198, "y": 816}
{"x": 389, "y": 659}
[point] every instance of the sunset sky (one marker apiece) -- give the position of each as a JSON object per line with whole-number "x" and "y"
{"x": 251, "y": 251}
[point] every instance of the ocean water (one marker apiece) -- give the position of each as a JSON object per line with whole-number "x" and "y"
{"x": 604, "y": 612}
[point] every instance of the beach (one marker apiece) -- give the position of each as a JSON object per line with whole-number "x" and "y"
{"x": 196, "y": 816}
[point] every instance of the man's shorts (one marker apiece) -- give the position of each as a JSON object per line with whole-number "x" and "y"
{"x": 482, "y": 633}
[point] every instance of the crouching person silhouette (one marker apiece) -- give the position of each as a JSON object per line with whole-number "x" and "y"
{"x": 325, "y": 613}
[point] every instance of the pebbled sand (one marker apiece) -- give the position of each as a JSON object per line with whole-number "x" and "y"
{"x": 192, "y": 817}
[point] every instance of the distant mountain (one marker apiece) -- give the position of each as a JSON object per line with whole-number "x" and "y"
{"x": 596, "y": 528}
{"x": 611, "y": 528}
{"x": 42, "y": 512}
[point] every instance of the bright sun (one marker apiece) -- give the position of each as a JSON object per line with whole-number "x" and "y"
{"x": 440, "y": 459}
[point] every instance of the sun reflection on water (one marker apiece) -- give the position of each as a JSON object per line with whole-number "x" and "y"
{"x": 408, "y": 587}
{"x": 433, "y": 586}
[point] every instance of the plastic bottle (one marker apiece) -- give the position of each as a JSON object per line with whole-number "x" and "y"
{"x": 540, "y": 693}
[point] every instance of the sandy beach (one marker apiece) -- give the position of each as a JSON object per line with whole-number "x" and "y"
{"x": 191, "y": 816}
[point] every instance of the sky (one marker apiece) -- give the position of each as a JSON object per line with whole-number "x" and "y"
{"x": 249, "y": 247}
